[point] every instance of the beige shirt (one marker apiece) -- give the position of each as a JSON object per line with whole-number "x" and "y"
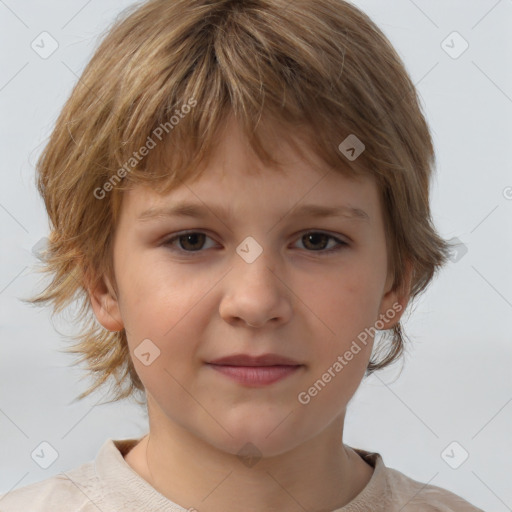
{"x": 109, "y": 484}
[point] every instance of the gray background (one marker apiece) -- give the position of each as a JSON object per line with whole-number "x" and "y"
{"x": 456, "y": 384}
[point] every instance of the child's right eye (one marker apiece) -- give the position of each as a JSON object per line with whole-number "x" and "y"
{"x": 193, "y": 241}
{"x": 192, "y": 238}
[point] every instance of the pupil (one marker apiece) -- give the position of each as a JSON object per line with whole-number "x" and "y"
{"x": 192, "y": 236}
{"x": 314, "y": 236}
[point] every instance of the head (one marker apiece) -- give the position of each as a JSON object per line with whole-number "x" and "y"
{"x": 235, "y": 104}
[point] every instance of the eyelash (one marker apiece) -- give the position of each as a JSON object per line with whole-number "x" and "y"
{"x": 323, "y": 252}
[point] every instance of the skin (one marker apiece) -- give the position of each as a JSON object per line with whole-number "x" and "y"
{"x": 207, "y": 303}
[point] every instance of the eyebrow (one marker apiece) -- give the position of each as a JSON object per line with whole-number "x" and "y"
{"x": 199, "y": 211}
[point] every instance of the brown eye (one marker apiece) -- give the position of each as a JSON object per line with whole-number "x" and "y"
{"x": 313, "y": 241}
{"x": 317, "y": 241}
{"x": 192, "y": 241}
{"x": 187, "y": 242}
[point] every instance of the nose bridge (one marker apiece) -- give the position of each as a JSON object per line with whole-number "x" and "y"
{"x": 255, "y": 262}
{"x": 254, "y": 292}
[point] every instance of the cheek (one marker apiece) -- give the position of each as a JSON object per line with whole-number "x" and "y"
{"x": 156, "y": 296}
{"x": 347, "y": 309}
{"x": 173, "y": 360}
{"x": 172, "y": 310}
{"x": 343, "y": 346}
{"x": 348, "y": 302}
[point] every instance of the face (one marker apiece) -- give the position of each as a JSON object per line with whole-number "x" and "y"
{"x": 252, "y": 277}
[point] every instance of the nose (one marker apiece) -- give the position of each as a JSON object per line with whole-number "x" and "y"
{"x": 255, "y": 294}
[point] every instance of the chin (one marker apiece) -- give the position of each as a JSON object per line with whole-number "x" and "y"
{"x": 257, "y": 435}
{"x": 250, "y": 448}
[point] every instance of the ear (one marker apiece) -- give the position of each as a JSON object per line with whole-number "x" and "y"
{"x": 395, "y": 301}
{"x": 105, "y": 304}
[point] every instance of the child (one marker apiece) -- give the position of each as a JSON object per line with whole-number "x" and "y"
{"x": 263, "y": 127}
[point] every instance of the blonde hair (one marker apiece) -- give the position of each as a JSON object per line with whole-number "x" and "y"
{"x": 321, "y": 67}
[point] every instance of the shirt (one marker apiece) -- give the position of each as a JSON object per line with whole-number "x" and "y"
{"x": 110, "y": 484}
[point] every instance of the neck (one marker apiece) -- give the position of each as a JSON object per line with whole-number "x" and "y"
{"x": 321, "y": 474}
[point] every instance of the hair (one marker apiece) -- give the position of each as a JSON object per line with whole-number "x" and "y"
{"x": 150, "y": 105}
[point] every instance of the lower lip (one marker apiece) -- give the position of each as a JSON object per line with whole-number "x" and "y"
{"x": 256, "y": 375}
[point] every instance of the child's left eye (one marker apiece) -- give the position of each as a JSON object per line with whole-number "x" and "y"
{"x": 195, "y": 241}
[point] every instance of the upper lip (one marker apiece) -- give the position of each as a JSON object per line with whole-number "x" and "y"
{"x": 262, "y": 360}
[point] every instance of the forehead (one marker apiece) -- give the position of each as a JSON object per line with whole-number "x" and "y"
{"x": 236, "y": 181}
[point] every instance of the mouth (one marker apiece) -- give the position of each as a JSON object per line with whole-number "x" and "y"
{"x": 255, "y": 371}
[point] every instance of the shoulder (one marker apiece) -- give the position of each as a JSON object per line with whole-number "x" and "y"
{"x": 418, "y": 496}
{"x": 77, "y": 489}
{"x": 392, "y": 490}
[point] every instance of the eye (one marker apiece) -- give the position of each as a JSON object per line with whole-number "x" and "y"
{"x": 313, "y": 238}
{"x": 193, "y": 242}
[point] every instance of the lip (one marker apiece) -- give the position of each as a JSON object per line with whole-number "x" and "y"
{"x": 261, "y": 360}
{"x": 255, "y": 371}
